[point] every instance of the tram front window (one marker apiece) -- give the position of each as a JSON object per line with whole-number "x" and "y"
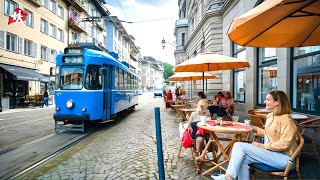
{"x": 71, "y": 77}
{"x": 93, "y": 78}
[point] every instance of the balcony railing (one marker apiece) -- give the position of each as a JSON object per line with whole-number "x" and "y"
{"x": 37, "y": 2}
{"x": 75, "y": 26}
{"x": 181, "y": 22}
{"x": 79, "y": 5}
{"x": 100, "y": 26}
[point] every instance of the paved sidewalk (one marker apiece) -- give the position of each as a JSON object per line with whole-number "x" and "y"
{"x": 8, "y": 111}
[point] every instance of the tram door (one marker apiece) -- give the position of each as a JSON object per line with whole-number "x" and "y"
{"x": 106, "y": 92}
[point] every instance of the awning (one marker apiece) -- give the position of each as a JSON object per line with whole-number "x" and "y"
{"x": 25, "y": 74}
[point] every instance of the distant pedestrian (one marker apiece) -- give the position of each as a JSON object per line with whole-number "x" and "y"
{"x": 45, "y": 98}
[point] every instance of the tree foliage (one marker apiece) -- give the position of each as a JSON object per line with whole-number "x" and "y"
{"x": 167, "y": 71}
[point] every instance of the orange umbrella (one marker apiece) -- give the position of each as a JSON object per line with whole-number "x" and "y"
{"x": 278, "y": 23}
{"x": 190, "y": 76}
{"x": 211, "y": 62}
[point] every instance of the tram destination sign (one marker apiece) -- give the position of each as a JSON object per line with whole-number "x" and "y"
{"x": 73, "y": 59}
{"x": 73, "y": 50}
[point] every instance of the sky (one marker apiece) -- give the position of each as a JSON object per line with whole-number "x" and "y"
{"x": 147, "y": 29}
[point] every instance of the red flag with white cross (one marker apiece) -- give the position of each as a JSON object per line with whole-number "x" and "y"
{"x": 18, "y": 15}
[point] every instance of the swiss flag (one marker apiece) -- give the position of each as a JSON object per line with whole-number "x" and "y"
{"x": 18, "y": 15}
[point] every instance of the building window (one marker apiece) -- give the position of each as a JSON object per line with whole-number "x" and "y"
{"x": 60, "y": 11}
{"x": 9, "y": 7}
{"x": 115, "y": 32}
{"x": 53, "y": 55}
{"x": 45, "y": 3}
{"x": 306, "y": 80}
{"x": 183, "y": 39}
{"x": 60, "y": 35}
{"x": 28, "y": 47}
{"x": 267, "y": 72}
{"x": 44, "y": 26}
{"x": 53, "y": 31}
{"x": 75, "y": 36}
{"x": 29, "y": 20}
{"x": 239, "y": 88}
{"x": 52, "y": 6}
{"x": 12, "y": 42}
{"x": 44, "y": 53}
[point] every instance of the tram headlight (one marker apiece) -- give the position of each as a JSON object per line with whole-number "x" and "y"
{"x": 70, "y": 104}
{"x": 57, "y": 108}
{"x": 83, "y": 109}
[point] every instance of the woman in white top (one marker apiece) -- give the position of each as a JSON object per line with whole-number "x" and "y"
{"x": 202, "y": 110}
{"x": 184, "y": 96}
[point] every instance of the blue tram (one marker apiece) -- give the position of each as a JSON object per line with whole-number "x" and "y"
{"x": 91, "y": 86}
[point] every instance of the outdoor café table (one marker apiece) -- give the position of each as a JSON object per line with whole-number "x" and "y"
{"x": 187, "y": 112}
{"x": 177, "y": 107}
{"x": 227, "y": 128}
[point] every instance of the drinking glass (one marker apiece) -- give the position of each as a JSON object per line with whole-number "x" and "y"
{"x": 235, "y": 119}
{"x": 220, "y": 121}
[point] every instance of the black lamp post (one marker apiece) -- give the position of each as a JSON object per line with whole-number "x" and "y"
{"x": 163, "y": 43}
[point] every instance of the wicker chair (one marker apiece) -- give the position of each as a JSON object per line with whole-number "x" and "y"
{"x": 255, "y": 121}
{"x": 313, "y": 127}
{"x": 281, "y": 172}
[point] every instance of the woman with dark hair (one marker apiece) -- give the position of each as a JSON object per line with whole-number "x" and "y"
{"x": 201, "y": 95}
{"x": 280, "y": 140}
{"x": 215, "y": 108}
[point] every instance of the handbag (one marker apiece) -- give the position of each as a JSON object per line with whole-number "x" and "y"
{"x": 186, "y": 139}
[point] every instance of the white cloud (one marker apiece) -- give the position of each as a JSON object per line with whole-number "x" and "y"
{"x": 149, "y": 34}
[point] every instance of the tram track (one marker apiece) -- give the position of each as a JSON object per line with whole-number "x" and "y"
{"x": 18, "y": 163}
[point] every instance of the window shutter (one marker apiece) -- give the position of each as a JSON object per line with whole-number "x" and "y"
{"x": 34, "y": 49}
{"x": 2, "y": 40}
{"x": 20, "y": 45}
{"x": 48, "y": 55}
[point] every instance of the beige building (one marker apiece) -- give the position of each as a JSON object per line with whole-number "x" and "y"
{"x": 295, "y": 71}
{"x": 28, "y": 50}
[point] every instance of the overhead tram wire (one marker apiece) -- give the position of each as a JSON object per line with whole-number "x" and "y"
{"x": 126, "y": 17}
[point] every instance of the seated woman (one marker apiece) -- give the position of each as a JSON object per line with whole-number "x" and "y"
{"x": 193, "y": 120}
{"x": 201, "y": 95}
{"x": 184, "y": 96}
{"x": 168, "y": 96}
{"x": 280, "y": 140}
{"x": 214, "y": 109}
{"x": 226, "y": 105}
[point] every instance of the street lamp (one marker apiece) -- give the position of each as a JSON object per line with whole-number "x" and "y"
{"x": 163, "y": 43}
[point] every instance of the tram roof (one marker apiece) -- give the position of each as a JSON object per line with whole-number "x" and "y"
{"x": 99, "y": 54}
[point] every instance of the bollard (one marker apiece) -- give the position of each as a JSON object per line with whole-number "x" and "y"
{"x": 159, "y": 143}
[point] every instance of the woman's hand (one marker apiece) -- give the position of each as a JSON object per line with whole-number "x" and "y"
{"x": 254, "y": 128}
{"x": 258, "y": 144}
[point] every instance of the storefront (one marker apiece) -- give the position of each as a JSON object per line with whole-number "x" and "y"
{"x": 16, "y": 83}
{"x": 306, "y": 79}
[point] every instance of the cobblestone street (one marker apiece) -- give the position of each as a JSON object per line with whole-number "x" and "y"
{"x": 125, "y": 150}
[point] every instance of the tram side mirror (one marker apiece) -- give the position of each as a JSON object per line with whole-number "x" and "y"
{"x": 102, "y": 71}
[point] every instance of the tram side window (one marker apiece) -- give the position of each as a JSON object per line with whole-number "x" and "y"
{"x": 116, "y": 80}
{"x": 125, "y": 86}
{"x": 93, "y": 78}
{"x": 120, "y": 79}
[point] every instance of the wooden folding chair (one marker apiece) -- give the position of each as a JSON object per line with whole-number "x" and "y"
{"x": 182, "y": 127}
{"x": 268, "y": 170}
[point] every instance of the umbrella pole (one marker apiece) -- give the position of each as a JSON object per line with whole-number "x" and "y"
{"x": 203, "y": 81}
{"x": 206, "y": 87}
{"x": 191, "y": 88}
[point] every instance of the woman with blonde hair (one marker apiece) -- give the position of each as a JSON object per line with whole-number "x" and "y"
{"x": 280, "y": 140}
{"x": 201, "y": 110}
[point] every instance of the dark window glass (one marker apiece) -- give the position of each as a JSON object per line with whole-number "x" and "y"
{"x": 93, "y": 78}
